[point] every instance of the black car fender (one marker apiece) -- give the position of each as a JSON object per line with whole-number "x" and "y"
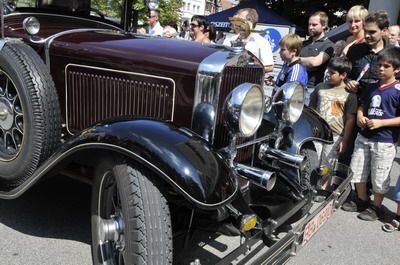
{"x": 310, "y": 127}
{"x": 182, "y": 158}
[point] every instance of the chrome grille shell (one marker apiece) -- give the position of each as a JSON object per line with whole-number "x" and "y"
{"x": 217, "y": 76}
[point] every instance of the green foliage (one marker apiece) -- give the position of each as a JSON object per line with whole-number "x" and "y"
{"x": 169, "y": 11}
{"x": 112, "y": 10}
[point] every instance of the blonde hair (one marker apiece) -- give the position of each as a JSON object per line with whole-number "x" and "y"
{"x": 357, "y": 11}
{"x": 292, "y": 42}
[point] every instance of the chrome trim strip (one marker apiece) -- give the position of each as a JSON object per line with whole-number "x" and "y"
{"x": 58, "y": 15}
{"x": 208, "y": 80}
{"x": 47, "y": 41}
{"x": 309, "y": 139}
{"x": 43, "y": 171}
{"x": 115, "y": 71}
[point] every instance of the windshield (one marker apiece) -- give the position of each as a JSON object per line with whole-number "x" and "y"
{"x": 104, "y": 9}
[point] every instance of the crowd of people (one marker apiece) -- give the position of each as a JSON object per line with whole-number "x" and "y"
{"x": 354, "y": 88}
{"x": 352, "y": 84}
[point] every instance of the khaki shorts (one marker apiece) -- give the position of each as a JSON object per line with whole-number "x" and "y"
{"x": 375, "y": 158}
{"x": 328, "y": 153}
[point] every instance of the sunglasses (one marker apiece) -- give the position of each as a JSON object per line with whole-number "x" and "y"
{"x": 193, "y": 25}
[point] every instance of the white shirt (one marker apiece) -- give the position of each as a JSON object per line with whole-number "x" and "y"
{"x": 257, "y": 45}
{"x": 157, "y": 30}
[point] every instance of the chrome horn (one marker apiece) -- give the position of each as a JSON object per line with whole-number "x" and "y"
{"x": 263, "y": 178}
{"x": 290, "y": 159}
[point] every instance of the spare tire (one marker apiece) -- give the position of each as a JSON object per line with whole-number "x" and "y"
{"x": 30, "y": 120}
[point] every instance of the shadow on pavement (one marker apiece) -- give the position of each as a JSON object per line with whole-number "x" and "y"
{"x": 55, "y": 208}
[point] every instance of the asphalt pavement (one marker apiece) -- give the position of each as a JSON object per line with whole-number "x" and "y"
{"x": 50, "y": 225}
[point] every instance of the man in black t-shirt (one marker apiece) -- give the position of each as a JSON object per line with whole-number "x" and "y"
{"x": 317, "y": 50}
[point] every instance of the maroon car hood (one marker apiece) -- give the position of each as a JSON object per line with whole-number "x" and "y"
{"x": 128, "y": 50}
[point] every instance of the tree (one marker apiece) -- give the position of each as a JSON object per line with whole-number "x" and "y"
{"x": 170, "y": 11}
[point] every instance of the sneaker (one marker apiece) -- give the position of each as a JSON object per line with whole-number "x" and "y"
{"x": 355, "y": 206}
{"x": 372, "y": 213}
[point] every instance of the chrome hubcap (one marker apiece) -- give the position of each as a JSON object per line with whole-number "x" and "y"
{"x": 113, "y": 230}
{"x": 110, "y": 223}
{"x": 11, "y": 119}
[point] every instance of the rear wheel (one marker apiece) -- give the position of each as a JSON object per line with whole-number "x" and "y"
{"x": 130, "y": 218}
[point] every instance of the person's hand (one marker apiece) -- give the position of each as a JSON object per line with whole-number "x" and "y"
{"x": 340, "y": 148}
{"x": 269, "y": 81}
{"x": 374, "y": 124}
{"x": 362, "y": 121}
{"x": 353, "y": 86}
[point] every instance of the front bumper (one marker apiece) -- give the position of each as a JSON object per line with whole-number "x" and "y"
{"x": 261, "y": 248}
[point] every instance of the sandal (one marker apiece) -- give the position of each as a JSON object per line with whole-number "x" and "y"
{"x": 394, "y": 225}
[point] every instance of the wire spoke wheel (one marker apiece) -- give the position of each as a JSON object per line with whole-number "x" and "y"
{"x": 11, "y": 119}
{"x": 130, "y": 218}
{"x": 111, "y": 223}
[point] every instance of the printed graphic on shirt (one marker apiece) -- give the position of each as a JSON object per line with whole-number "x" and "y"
{"x": 331, "y": 107}
{"x": 375, "y": 106}
{"x": 337, "y": 108}
{"x": 382, "y": 103}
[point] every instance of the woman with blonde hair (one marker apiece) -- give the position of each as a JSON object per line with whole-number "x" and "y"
{"x": 355, "y": 19}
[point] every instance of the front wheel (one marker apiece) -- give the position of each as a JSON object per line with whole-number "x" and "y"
{"x": 309, "y": 178}
{"x": 130, "y": 218}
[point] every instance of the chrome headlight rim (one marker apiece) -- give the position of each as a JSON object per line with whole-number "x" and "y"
{"x": 288, "y": 102}
{"x": 244, "y": 108}
{"x": 31, "y": 25}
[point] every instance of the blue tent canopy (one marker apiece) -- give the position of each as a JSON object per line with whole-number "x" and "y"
{"x": 221, "y": 19}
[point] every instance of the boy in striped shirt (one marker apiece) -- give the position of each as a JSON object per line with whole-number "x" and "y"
{"x": 292, "y": 69}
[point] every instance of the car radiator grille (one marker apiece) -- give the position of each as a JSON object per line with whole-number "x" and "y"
{"x": 232, "y": 77}
{"x": 95, "y": 94}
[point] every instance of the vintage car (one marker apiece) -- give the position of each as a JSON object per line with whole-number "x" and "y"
{"x": 174, "y": 136}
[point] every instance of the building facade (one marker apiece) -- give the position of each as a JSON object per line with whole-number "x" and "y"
{"x": 191, "y": 8}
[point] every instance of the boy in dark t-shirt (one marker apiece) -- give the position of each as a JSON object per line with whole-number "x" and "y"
{"x": 378, "y": 117}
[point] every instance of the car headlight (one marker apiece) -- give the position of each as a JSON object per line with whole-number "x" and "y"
{"x": 288, "y": 102}
{"x": 244, "y": 108}
{"x": 31, "y": 25}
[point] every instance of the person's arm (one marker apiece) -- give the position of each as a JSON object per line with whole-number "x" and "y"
{"x": 347, "y": 131}
{"x": 314, "y": 61}
{"x": 266, "y": 57}
{"x": 268, "y": 68}
{"x": 314, "y": 98}
{"x": 361, "y": 119}
{"x": 377, "y": 123}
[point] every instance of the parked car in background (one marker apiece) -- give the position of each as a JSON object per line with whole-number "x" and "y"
{"x": 174, "y": 136}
